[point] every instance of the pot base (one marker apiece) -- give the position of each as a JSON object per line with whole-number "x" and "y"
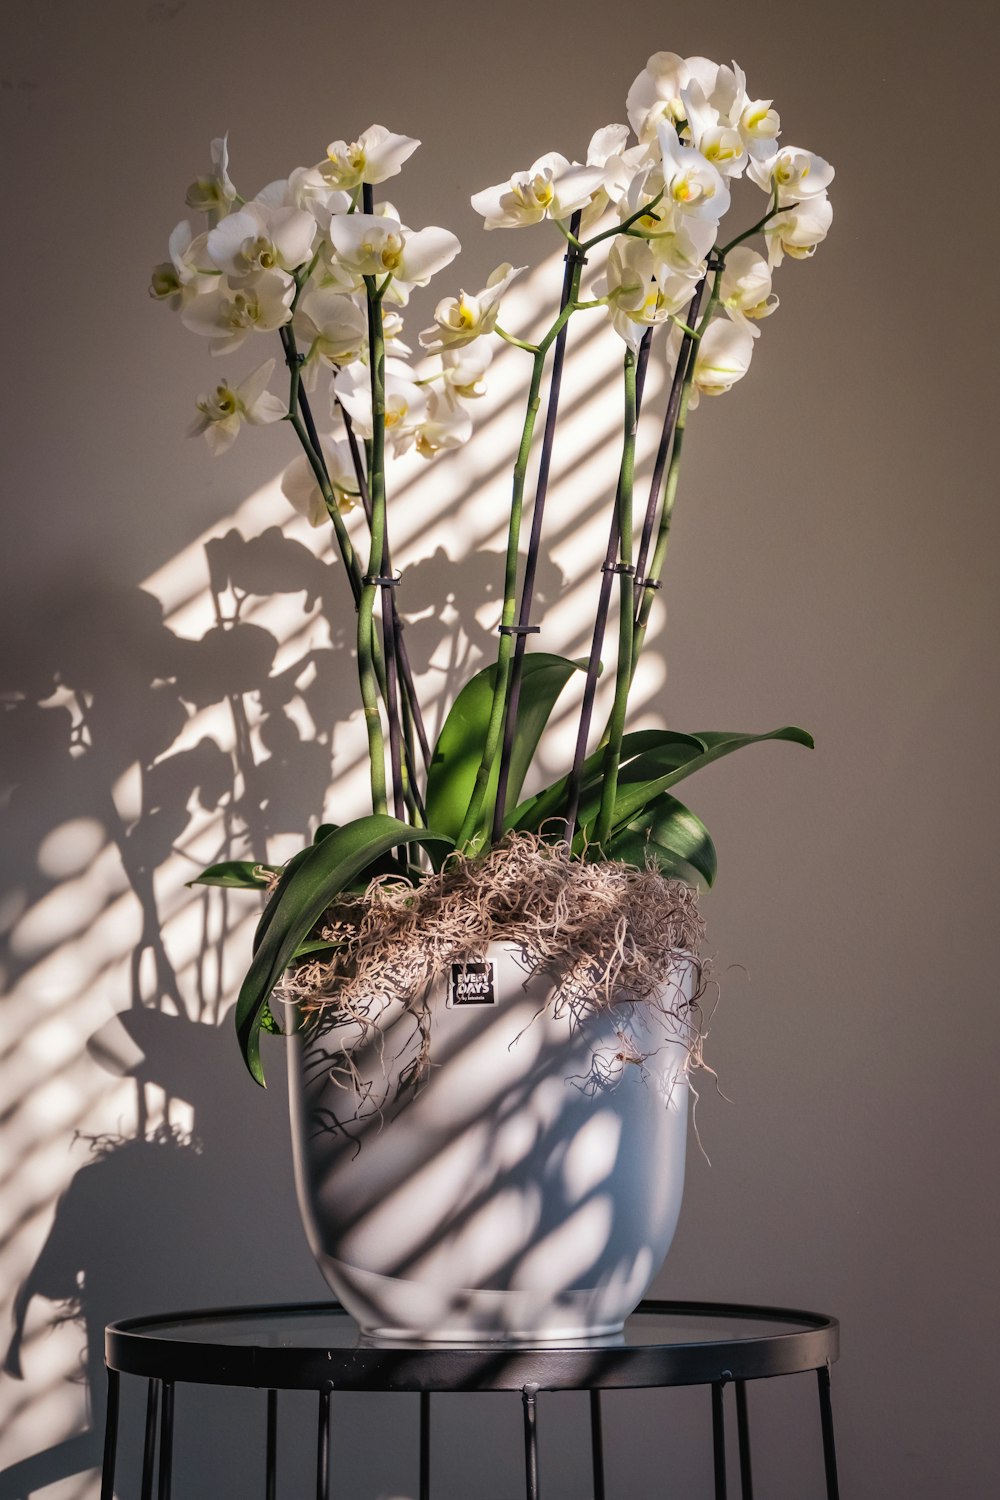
{"x": 464, "y": 1315}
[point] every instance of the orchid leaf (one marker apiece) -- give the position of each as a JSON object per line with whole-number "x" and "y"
{"x": 548, "y": 805}
{"x": 670, "y": 836}
{"x": 459, "y": 749}
{"x": 309, "y": 883}
{"x": 236, "y": 874}
{"x": 647, "y": 776}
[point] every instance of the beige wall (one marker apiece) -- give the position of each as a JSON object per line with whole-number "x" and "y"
{"x": 833, "y": 564}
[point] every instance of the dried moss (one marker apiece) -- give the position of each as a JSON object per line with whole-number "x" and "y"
{"x": 609, "y": 930}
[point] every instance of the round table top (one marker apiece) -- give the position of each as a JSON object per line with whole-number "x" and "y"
{"x": 318, "y": 1346}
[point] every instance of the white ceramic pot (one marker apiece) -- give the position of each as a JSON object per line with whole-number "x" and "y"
{"x": 528, "y": 1191}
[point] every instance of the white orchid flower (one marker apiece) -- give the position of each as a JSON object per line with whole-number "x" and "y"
{"x": 405, "y": 402}
{"x": 374, "y": 156}
{"x": 798, "y": 231}
{"x": 655, "y": 95}
{"x": 552, "y": 188}
{"x": 446, "y": 424}
{"x": 463, "y": 369}
{"x": 306, "y": 188}
{"x": 759, "y": 125}
{"x": 745, "y": 290}
{"x": 796, "y": 174}
{"x": 300, "y": 489}
{"x": 222, "y": 414}
{"x": 214, "y": 194}
{"x": 640, "y": 292}
{"x": 722, "y": 87}
{"x": 722, "y": 358}
{"x": 691, "y": 184}
{"x": 187, "y": 273}
{"x": 619, "y": 164}
{"x": 459, "y": 320}
{"x": 260, "y": 237}
{"x": 392, "y": 331}
{"x": 229, "y": 314}
{"x": 711, "y": 133}
{"x": 679, "y": 241}
{"x": 379, "y": 246}
{"x": 333, "y": 327}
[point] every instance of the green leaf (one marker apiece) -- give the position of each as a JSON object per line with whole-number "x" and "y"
{"x": 309, "y": 883}
{"x": 550, "y": 803}
{"x": 670, "y": 835}
{"x": 237, "y": 874}
{"x": 646, "y": 777}
{"x": 459, "y": 749}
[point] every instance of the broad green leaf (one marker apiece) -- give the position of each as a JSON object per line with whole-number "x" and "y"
{"x": 287, "y": 873}
{"x": 645, "y": 778}
{"x": 310, "y": 882}
{"x": 459, "y": 749}
{"x": 550, "y": 803}
{"x": 237, "y": 874}
{"x": 673, "y": 837}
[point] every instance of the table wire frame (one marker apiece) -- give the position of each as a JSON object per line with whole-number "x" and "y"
{"x": 151, "y": 1347}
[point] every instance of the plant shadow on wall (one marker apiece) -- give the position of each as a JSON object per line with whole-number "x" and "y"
{"x": 124, "y": 741}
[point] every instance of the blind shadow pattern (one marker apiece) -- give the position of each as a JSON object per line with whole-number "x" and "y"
{"x": 149, "y": 731}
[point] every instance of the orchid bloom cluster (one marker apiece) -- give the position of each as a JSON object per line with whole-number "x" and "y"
{"x": 294, "y": 260}
{"x": 316, "y": 260}
{"x": 697, "y": 131}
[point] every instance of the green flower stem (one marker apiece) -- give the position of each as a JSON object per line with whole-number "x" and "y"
{"x": 505, "y": 650}
{"x": 666, "y": 436}
{"x": 570, "y": 291}
{"x": 748, "y": 234}
{"x": 409, "y": 696}
{"x": 366, "y": 604}
{"x": 509, "y": 338}
{"x": 301, "y": 419}
{"x": 623, "y": 674}
{"x": 624, "y": 226}
{"x": 673, "y": 472}
{"x": 574, "y": 779}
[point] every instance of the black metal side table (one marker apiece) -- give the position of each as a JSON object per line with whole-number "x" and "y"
{"x": 318, "y": 1347}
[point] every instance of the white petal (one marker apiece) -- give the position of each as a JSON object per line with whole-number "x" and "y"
{"x": 427, "y": 252}
{"x": 385, "y": 153}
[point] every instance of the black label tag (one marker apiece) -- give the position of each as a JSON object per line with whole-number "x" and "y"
{"x": 473, "y": 984}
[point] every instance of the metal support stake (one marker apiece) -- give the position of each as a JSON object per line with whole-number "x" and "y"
{"x": 528, "y": 1398}
{"x": 743, "y": 1434}
{"x": 323, "y": 1447}
{"x": 166, "y": 1440}
{"x": 149, "y": 1441}
{"x": 719, "y": 1438}
{"x": 110, "y": 1438}
{"x": 270, "y": 1483}
{"x": 597, "y": 1444}
{"x": 829, "y": 1446}
{"x": 425, "y": 1445}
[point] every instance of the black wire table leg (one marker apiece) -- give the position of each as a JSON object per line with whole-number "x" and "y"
{"x": 166, "y": 1441}
{"x": 323, "y": 1447}
{"x": 597, "y": 1444}
{"x": 270, "y": 1479}
{"x": 149, "y": 1440}
{"x": 425, "y": 1445}
{"x": 110, "y": 1438}
{"x": 743, "y": 1434}
{"x": 719, "y": 1438}
{"x": 529, "y": 1394}
{"x": 829, "y": 1446}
